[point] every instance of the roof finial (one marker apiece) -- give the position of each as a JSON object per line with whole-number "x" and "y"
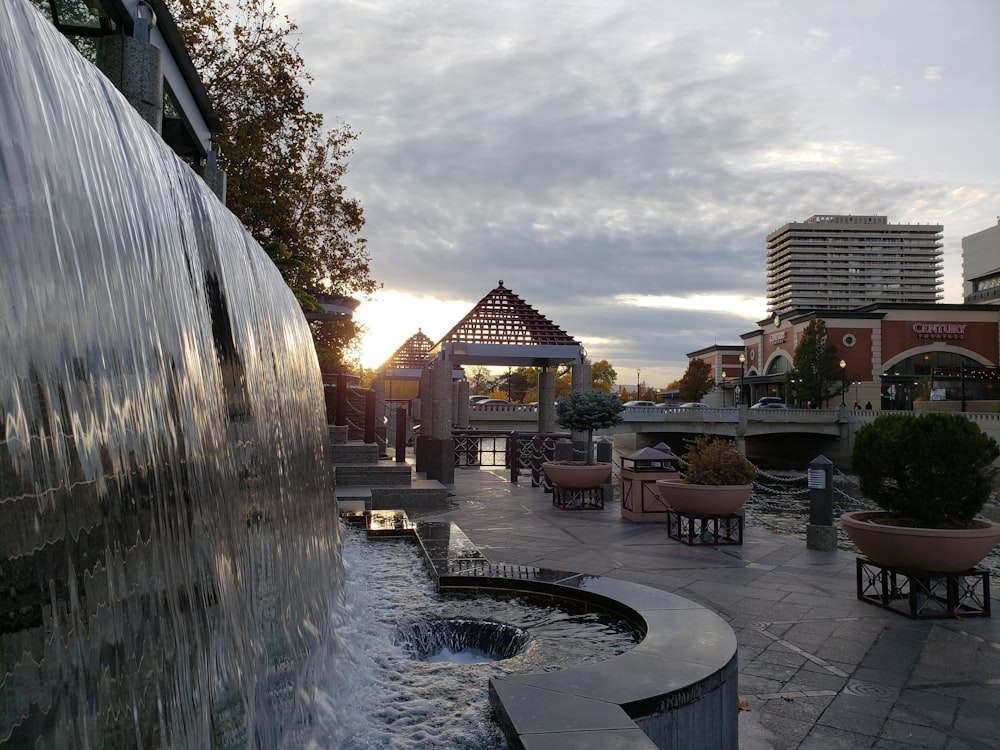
{"x": 501, "y": 282}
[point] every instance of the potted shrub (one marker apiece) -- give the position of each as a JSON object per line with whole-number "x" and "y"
{"x": 931, "y": 474}
{"x": 584, "y": 412}
{"x": 717, "y": 479}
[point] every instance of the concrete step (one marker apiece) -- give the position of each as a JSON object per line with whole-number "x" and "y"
{"x": 354, "y": 453}
{"x": 421, "y": 494}
{"x": 372, "y": 475}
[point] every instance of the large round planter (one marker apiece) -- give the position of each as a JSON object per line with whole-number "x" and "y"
{"x": 909, "y": 548}
{"x": 577, "y": 475}
{"x": 703, "y": 499}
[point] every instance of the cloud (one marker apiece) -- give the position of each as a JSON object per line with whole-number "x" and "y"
{"x": 600, "y": 157}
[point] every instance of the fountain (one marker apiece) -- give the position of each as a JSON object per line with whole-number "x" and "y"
{"x": 170, "y": 548}
{"x": 170, "y": 571}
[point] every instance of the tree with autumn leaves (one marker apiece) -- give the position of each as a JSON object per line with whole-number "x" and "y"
{"x": 284, "y": 167}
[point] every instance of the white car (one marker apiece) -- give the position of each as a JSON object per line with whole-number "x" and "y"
{"x": 629, "y": 404}
{"x": 694, "y": 405}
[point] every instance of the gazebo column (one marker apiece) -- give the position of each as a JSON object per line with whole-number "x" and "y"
{"x": 438, "y": 446}
{"x": 546, "y": 400}
{"x": 422, "y": 406}
{"x": 378, "y": 385}
{"x": 581, "y": 380}
{"x": 460, "y": 407}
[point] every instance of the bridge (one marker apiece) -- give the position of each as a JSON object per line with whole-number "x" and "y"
{"x": 778, "y": 436}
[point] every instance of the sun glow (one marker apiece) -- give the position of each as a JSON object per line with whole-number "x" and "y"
{"x": 393, "y": 317}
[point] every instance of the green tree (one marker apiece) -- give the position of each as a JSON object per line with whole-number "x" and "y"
{"x": 479, "y": 380}
{"x": 589, "y": 411}
{"x": 696, "y": 381}
{"x": 816, "y": 375}
{"x": 284, "y": 169}
{"x": 934, "y": 470}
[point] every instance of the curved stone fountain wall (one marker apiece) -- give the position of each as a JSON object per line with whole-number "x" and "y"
{"x": 168, "y": 539}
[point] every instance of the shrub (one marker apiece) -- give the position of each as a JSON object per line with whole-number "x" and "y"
{"x": 933, "y": 470}
{"x": 716, "y": 461}
{"x": 588, "y": 411}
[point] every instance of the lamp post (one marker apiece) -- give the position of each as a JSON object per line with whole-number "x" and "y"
{"x": 843, "y": 379}
{"x": 637, "y": 371}
{"x": 723, "y": 389}
{"x": 743, "y": 359}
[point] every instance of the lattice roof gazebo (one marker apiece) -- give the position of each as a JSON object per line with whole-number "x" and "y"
{"x": 409, "y": 359}
{"x": 502, "y": 329}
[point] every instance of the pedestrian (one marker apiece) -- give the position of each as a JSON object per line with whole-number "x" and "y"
{"x": 868, "y": 406}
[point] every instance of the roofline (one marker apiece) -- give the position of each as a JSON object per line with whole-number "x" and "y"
{"x": 724, "y": 348}
{"x": 172, "y": 36}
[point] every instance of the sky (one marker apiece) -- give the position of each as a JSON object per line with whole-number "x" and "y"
{"x": 618, "y": 165}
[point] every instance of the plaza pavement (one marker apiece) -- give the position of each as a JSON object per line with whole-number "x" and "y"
{"x": 818, "y": 668}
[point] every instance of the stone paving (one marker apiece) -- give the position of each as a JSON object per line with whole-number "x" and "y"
{"x": 818, "y": 668}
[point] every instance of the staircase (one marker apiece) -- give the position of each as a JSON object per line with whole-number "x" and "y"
{"x": 366, "y": 482}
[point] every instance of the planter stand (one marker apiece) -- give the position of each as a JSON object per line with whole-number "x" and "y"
{"x": 920, "y": 595}
{"x": 571, "y": 498}
{"x": 695, "y": 529}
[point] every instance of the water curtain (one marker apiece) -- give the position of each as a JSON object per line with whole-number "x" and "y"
{"x": 169, "y": 539}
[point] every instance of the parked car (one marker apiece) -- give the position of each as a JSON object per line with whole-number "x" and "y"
{"x": 770, "y": 400}
{"x": 693, "y": 405}
{"x": 769, "y": 405}
{"x": 492, "y": 402}
{"x": 477, "y": 398}
{"x": 628, "y": 404}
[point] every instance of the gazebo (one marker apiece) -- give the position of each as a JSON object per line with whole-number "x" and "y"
{"x": 501, "y": 330}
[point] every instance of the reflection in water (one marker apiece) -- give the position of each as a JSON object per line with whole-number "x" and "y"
{"x": 168, "y": 558}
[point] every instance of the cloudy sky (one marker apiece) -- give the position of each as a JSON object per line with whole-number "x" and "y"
{"x": 619, "y": 164}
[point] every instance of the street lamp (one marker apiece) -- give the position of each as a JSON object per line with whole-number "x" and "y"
{"x": 743, "y": 359}
{"x": 723, "y": 389}
{"x": 637, "y": 371}
{"x": 843, "y": 378}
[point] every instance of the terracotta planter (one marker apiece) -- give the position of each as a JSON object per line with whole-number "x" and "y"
{"x": 908, "y": 548}
{"x": 577, "y": 475}
{"x": 703, "y": 499}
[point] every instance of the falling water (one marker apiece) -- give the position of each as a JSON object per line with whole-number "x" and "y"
{"x": 169, "y": 546}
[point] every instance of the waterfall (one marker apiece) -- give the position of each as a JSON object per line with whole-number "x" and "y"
{"x": 170, "y": 550}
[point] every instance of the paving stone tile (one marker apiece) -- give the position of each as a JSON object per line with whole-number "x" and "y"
{"x": 822, "y": 737}
{"x": 915, "y": 734}
{"x": 847, "y": 704}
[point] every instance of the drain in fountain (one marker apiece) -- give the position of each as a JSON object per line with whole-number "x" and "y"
{"x": 461, "y": 641}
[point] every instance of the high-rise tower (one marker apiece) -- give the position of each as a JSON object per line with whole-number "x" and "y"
{"x": 845, "y": 262}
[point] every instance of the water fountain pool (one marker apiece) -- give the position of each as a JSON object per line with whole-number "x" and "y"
{"x": 401, "y": 696}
